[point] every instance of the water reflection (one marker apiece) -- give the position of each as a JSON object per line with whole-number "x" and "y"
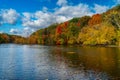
{"x": 35, "y": 62}
{"x": 102, "y": 61}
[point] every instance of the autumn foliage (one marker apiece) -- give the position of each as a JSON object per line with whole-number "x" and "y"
{"x": 100, "y": 29}
{"x": 96, "y": 19}
{"x": 102, "y": 34}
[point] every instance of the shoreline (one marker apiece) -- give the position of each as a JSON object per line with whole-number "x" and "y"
{"x": 79, "y": 45}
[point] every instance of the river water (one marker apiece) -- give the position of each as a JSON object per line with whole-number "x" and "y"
{"x": 38, "y": 62}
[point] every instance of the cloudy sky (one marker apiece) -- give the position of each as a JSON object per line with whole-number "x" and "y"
{"x": 22, "y": 17}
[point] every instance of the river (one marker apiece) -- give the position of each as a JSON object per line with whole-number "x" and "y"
{"x": 38, "y": 62}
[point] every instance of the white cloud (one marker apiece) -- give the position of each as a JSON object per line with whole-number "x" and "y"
{"x": 61, "y": 18}
{"x": 62, "y": 2}
{"x": 9, "y": 16}
{"x": 27, "y": 15}
{"x": 45, "y": 9}
{"x": 74, "y": 11}
{"x": 100, "y": 9}
{"x": 38, "y": 19}
{"x": 14, "y": 31}
{"x": 117, "y": 1}
{"x": 27, "y": 31}
{"x": 43, "y": 18}
{"x": 1, "y": 32}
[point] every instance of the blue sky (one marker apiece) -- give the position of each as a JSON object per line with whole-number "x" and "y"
{"x": 22, "y": 17}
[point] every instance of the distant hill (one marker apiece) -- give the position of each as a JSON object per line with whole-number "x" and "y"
{"x": 99, "y": 29}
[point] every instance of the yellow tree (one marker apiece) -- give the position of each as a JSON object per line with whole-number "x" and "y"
{"x": 98, "y": 34}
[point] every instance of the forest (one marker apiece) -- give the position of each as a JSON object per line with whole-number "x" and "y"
{"x": 98, "y": 29}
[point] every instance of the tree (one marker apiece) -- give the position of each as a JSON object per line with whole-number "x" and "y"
{"x": 45, "y": 36}
{"x": 32, "y": 40}
{"x": 113, "y": 17}
{"x": 72, "y": 34}
{"x": 83, "y": 21}
{"x": 96, "y": 19}
{"x": 61, "y": 33}
{"x": 99, "y": 34}
{"x": 4, "y": 38}
{"x": 118, "y": 37}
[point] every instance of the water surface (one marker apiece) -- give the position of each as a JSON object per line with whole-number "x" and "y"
{"x": 38, "y": 62}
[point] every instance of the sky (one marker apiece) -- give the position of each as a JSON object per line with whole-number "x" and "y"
{"x": 23, "y": 17}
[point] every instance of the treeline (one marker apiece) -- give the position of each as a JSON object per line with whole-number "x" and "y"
{"x": 99, "y": 29}
{"x": 6, "y": 38}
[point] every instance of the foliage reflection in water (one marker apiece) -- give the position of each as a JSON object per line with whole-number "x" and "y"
{"x": 36, "y": 62}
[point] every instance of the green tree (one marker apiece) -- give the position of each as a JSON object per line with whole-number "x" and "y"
{"x": 113, "y": 17}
